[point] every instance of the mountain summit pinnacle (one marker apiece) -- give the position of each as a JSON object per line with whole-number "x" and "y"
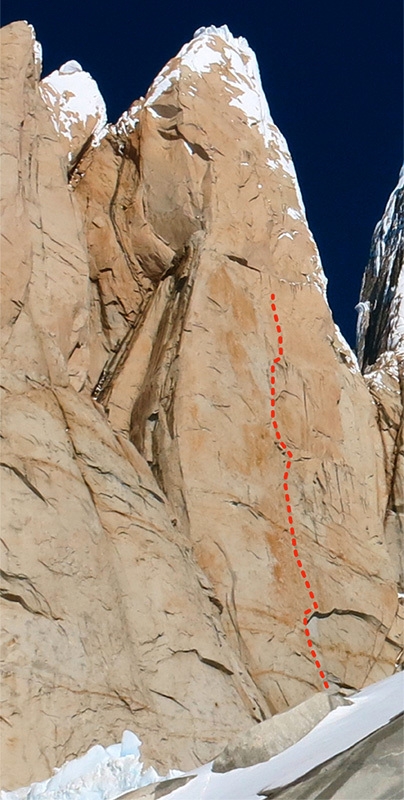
{"x": 168, "y": 353}
{"x": 76, "y": 106}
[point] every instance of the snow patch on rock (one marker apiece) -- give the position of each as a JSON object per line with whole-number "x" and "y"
{"x": 162, "y": 83}
{"x": 72, "y": 96}
{"x": 129, "y": 120}
{"x": 386, "y": 366}
{"x": 240, "y": 73}
{"x": 37, "y": 47}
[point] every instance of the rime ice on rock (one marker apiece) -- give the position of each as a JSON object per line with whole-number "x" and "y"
{"x": 380, "y": 344}
{"x": 37, "y": 48}
{"x": 380, "y": 328}
{"x": 73, "y": 98}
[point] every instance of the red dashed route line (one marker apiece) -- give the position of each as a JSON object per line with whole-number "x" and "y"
{"x": 289, "y": 454}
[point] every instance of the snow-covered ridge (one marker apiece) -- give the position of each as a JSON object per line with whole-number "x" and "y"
{"x": 241, "y": 73}
{"x": 72, "y": 96}
{"x": 128, "y": 121}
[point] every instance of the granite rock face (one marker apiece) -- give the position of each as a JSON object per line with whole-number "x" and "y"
{"x": 148, "y": 575}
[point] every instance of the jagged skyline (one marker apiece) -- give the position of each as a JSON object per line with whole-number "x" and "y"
{"x": 333, "y": 82}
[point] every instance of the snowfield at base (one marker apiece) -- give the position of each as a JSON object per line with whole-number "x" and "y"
{"x": 104, "y": 773}
{"x": 371, "y": 709}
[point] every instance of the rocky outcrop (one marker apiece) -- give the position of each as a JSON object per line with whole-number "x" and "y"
{"x": 380, "y": 338}
{"x": 275, "y": 735}
{"x": 149, "y": 577}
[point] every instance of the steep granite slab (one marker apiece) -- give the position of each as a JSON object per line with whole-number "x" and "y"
{"x": 106, "y": 617}
{"x": 192, "y": 388}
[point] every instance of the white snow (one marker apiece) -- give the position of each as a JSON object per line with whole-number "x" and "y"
{"x": 38, "y": 53}
{"x": 73, "y": 96}
{"x": 101, "y": 774}
{"x": 70, "y": 67}
{"x": 189, "y": 148}
{"x": 37, "y": 46}
{"x": 200, "y": 56}
{"x": 386, "y": 366}
{"x": 225, "y": 34}
{"x": 128, "y": 121}
{"x": 294, "y": 213}
{"x": 161, "y": 84}
{"x": 104, "y": 773}
{"x": 371, "y": 709}
{"x": 396, "y": 335}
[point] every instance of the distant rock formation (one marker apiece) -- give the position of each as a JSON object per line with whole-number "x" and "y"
{"x": 148, "y": 574}
{"x": 381, "y": 350}
{"x": 383, "y": 286}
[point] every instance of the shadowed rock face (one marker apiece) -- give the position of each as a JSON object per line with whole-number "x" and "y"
{"x": 382, "y": 292}
{"x": 149, "y": 581}
{"x": 380, "y": 342}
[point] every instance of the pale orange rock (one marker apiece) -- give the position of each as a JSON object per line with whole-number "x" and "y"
{"x": 150, "y": 582}
{"x": 106, "y": 617}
